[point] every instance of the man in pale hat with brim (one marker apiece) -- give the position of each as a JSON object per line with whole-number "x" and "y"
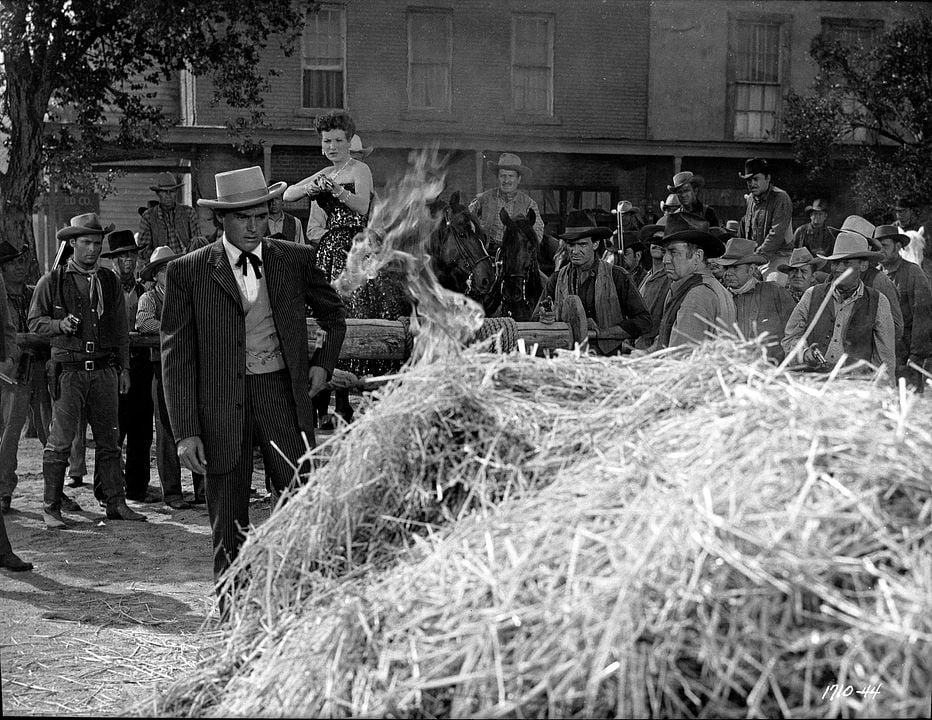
{"x": 235, "y": 362}
{"x": 915, "y": 301}
{"x": 135, "y": 407}
{"x": 506, "y": 196}
{"x": 687, "y": 186}
{"x": 80, "y": 308}
{"x": 762, "y": 307}
{"x": 907, "y": 209}
{"x": 768, "y": 218}
{"x": 22, "y": 365}
{"x": 697, "y": 304}
{"x": 610, "y": 300}
{"x": 670, "y": 205}
{"x": 856, "y": 325}
{"x": 815, "y": 235}
{"x": 627, "y": 216}
{"x": 803, "y": 271}
{"x": 148, "y": 321}
{"x": 655, "y": 285}
{"x": 168, "y": 223}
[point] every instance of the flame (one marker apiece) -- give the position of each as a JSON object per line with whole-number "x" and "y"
{"x": 399, "y": 232}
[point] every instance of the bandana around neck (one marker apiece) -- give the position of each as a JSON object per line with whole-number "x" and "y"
{"x": 95, "y": 291}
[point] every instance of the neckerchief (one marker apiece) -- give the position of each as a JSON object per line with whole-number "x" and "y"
{"x": 95, "y": 291}
{"x": 747, "y": 287}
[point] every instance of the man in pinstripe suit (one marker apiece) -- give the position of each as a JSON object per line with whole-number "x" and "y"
{"x": 235, "y": 360}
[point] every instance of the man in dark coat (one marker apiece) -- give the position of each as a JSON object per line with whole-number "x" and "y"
{"x": 235, "y": 360}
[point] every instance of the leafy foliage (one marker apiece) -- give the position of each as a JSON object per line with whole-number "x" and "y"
{"x": 871, "y": 114}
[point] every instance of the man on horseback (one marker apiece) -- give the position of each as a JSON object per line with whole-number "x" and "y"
{"x": 612, "y": 304}
{"x": 488, "y": 205}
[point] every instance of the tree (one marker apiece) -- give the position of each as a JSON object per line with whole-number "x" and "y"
{"x": 68, "y": 64}
{"x": 871, "y": 114}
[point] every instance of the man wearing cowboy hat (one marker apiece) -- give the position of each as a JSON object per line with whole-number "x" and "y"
{"x": 28, "y": 373}
{"x": 670, "y": 205}
{"x": 148, "y": 321}
{"x": 628, "y": 218}
{"x": 81, "y": 309}
{"x": 815, "y": 235}
{"x": 856, "y": 324}
{"x": 135, "y": 406}
{"x": 168, "y": 223}
{"x": 632, "y": 256}
{"x": 489, "y": 204}
{"x": 654, "y": 286}
{"x": 696, "y": 303}
{"x": 609, "y": 297}
{"x": 282, "y": 225}
{"x": 907, "y": 209}
{"x": 235, "y": 353}
{"x": 802, "y": 271}
{"x": 686, "y": 185}
{"x": 762, "y": 307}
{"x": 915, "y": 300}
{"x": 768, "y": 218}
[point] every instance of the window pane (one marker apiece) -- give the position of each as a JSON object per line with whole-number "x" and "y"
{"x": 532, "y": 70}
{"x": 322, "y": 59}
{"x": 429, "y": 40}
{"x": 758, "y": 52}
{"x": 323, "y": 88}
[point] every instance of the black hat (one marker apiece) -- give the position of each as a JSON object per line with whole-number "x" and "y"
{"x": 632, "y": 240}
{"x": 754, "y": 166}
{"x": 8, "y": 252}
{"x": 649, "y": 234}
{"x": 120, "y": 242}
{"x": 690, "y": 228}
{"x": 573, "y": 234}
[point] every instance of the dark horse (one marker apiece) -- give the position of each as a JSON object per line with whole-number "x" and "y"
{"x": 458, "y": 251}
{"x": 520, "y": 281}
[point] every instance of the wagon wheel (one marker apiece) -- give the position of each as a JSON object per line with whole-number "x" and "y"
{"x": 573, "y": 315}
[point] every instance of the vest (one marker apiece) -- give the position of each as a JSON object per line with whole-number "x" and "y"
{"x": 607, "y": 303}
{"x": 858, "y": 341}
{"x": 263, "y": 350}
{"x": 289, "y": 229}
{"x": 67, "y": 299}
{"x": 673, "y": 307}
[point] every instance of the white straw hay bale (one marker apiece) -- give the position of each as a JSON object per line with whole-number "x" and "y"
{"x": 685, "y": 537}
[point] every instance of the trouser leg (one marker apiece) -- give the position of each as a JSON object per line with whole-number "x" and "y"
{"x": 136, "y": 426}
{"x": 166, "y": 455}
{"x": 321, "y": 403}
{"x": 40, "y": 402}
{"x": 77, "y": 461}
{"x": 228, "y": 507}
{"x": 275, "y": 421}
{"x": 102, "y": 416}
{"x": 66, "y": 417}
{"x": 14, "y": 408}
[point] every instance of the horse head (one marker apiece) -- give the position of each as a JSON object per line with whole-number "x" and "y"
{"x": 519, "y": 256}
{"x": 461, "y": 251}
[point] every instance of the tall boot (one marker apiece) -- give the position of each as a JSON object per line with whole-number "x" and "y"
{"x": 117, "y": 509}
{"x": 53, "y": 473}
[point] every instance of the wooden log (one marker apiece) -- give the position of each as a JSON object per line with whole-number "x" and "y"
{"x": 372, "y": 339}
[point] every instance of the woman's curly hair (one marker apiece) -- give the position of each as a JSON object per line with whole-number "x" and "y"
{"x": 337, "y": 120}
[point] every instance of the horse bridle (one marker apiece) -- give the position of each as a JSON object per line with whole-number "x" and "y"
{"x": 520, "y": 277}
{"x": 464, "y": 253}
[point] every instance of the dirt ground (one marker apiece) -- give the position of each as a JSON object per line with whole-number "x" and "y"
{"x": 112, "y": 608}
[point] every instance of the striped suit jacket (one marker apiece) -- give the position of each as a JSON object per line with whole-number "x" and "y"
{"x": 203, "y": 338}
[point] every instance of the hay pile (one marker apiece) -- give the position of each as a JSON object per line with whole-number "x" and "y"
{"x": 683, "y": 536}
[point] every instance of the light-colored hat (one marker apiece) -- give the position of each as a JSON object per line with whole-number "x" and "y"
{"x": 892, "y": 232}
{"x": 849, "y": 245}
{"x": 740, "y": 251}
{"x": 671, "y": 201}
{"x": 86, "y": 224}
{"x": 162, "y": 255}
{"x": 357, "y": 147}
{"x": 242, "y": 188}
{"x": 799, "y": 258}
{"x": 684, "y": 178}
{"x": 625, "y": 206}
{"x": 166, "y": 181}
{"x": 857, "y": 224}
{"x": 733, "y": 226}
{"x": 818, "y": 205}
{"x": 509, "y": 161}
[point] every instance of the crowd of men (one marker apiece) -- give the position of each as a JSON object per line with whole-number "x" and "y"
{"x": 231, "y": 369}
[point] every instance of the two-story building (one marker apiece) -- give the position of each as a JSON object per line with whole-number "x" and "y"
{"x": 603, "y": 99}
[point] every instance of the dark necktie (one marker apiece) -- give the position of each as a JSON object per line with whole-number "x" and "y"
{"x": 253, "y": 260}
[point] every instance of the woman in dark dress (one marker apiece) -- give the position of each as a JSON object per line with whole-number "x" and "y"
{"x": 344, "y": 192}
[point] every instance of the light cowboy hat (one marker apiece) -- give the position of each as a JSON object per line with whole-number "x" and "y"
{"x": 740, "y": 251}
{"x": 509, "y": 161}
{"x": 818, "y": 205}
{"x": 672, "y": 202}
{"x": 625, "y": 206}
{"x": 887, "y": 231}
{"x": 850, "y": 245}
{"x": 690, "y": 228}
{"x": 86, "y": 224}
{"x": 120, "y": 242}
{"x": 8, "y": 252}
{"x": 242, "y": 188}
{"x": 857, "y": 224}
{"x": 161, "y": 256}
{"x": 357, "y": 147}
{"x": 166, "y": 181}
{"x": 799, "y": 258}
{"x": 686, "y": 178}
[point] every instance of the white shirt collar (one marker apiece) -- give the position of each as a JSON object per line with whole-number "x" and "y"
{"x": 234, "y": 252}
